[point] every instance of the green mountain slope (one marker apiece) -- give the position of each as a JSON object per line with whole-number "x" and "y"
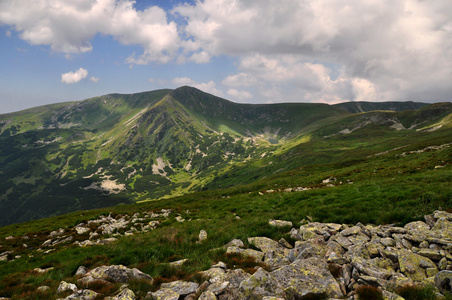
{"x": 118, "y": 149}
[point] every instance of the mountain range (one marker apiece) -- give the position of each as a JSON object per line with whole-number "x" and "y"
{"x": 120, "y": 149}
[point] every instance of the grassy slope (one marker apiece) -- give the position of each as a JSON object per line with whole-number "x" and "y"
{"x": 387, "y": 188}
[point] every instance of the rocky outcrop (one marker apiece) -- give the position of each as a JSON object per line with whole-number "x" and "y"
{"x": 332, "y": 260}
{"x": 323, "y": 261}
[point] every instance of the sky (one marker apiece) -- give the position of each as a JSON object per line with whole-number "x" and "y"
{"x": 247, "y": 51}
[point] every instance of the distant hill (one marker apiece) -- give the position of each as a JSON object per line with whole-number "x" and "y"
{"x": 119, "y": 149}
{"x": 363, "y": 106}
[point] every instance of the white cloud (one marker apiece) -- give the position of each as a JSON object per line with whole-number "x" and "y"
{"x": 239, "y": 95}
{"x": 377, "y": 49}
{"x": 68, "y": 26}
{"x": 74, "y": 77}
{"x": 208, "y": 87}
{"x": 94, "y": 79}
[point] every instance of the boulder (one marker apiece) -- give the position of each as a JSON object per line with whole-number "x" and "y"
{"x": 410, "y": 265}
{"x": 83, "y": 295}
{"x": 208, "y": 295}
{"x": 306, "y": 277}
{"x": 256, "y": 255}
{"x": 183, "y": 288}
{"x": 126, "y": 294}
{"x": 118, "y": 273}
{"x": 443, "y": 281}
{"x": 164, "y": 294}
{"x": 65, "y": 287}
{"x": 279, "y": 223}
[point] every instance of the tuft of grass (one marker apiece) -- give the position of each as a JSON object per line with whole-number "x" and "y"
{"x": 416, "y": 292}
{"x": 366, "y": 292}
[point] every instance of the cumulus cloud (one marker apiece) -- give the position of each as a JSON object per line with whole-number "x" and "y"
{"x": 377, "y": 49}
{"x": 208, "y": 87}
{"x": 94, "y": 79}
{"x": 74, "y": 77}
{"x": 68, "y": 26}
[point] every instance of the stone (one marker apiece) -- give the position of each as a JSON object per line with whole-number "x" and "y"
{"x": 65, "y": 287}
{"x": 443, "y": 281}
{"x": 126, "y": 294}
{"x": 218, "y": 288}
{"x": 279, "y": 223}
{"x": 431, "y": 254}
{"x": 202, "y": 236}
{"x": 164, "y": 294}
{"x": 214, "y": 274}
{"x": 82, "y": 230}
{"x": 56, "y": 233}
{"x": 81, "y": 271}
{"x": 82, "y": 295}
{"x": 275, "y": 253}
{"x": 43, "y": 288}
{"x": 207, "y": 295}
{"x": 107, "y": 241}
{"x": 410, "y": 265}
{"x": 235, "y": 243}
{"x": 370, "y": 267}
{"x": 183, "y": 288}
{"x": 118, "y": 273}
{"x": 178, "y": 263}
{"x": 307, "y": 277}
{"x": 258, "y": 256}
{"x": 260, "y": 284}
{"x": 351, "y": 231}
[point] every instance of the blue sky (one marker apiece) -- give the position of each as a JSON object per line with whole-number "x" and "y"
{"x": 248, "y": 51}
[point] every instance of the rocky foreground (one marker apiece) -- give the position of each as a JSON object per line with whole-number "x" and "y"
{"x": 327, "y": 261}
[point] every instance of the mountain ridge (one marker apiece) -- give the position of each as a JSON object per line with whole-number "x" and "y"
{"x": 121, "y": 148}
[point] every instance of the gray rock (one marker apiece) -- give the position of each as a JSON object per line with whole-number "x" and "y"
{"x": 235, "y": 243}
{"x": 307, "y": 277}
{"x": 279, "y": 223}
{"x": 164, "y": 294}
{"x": 81, "y": 271}
{"x": 443, "y": 281}
{"x": 208, "y": 295}
{"x": 126, "y": 294}
{"x": 82, "y": 295}
{"x": 65, "y": 287}
{"x": 118, "y": 273}
{"x": 183, "y": 288}
{"x": 202, "y": 236}
{"x": 82, "y": 230}
{"x": 260, "y": 284}
{"x": 257, "y": 255}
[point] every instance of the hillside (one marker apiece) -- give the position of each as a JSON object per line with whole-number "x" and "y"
{"x": 119, "y": 149}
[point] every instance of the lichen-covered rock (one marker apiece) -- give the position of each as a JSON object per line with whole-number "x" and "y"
{"x": 410, "y": 264}
{"x": 260, "y": 284}
{"x": 65, "y": 287}
{"x": 235, "y": 243}
{"x": 82, "y": 230}
{"x": 81, "y": 271}
{"x": 219, "y": 287}
{"x": 275, "y": 253}
{"x": 183, "y": 288}
{"x": 164, "y": 294}
{"x": 371, "y": 268}
{"x": 279, "y": 223}
{"x": 118, "y": 273}
{"x": 82, "y": 295}
{"x": 126, "y": 294}
{"x": 443, "y": 281}
{"x": 207, "y": 295}
{"x": 202, "y": 236}
{"x": 257, "y": 255}
{"x": 214, "y": 274}
{"x": 306, "y": 276}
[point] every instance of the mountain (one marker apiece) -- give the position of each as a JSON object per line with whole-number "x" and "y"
{"x": 120, "y": 149}
{"x": 362, "y": 106}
